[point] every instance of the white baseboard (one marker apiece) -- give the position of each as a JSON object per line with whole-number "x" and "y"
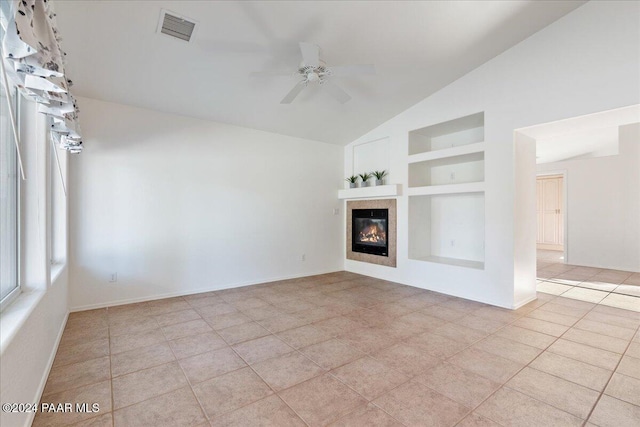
{"x": 192, "y": 291}
{"x": 524, "y": 302}
{"x": 446, "y": 292}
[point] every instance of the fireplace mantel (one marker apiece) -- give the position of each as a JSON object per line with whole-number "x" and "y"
{"x": 389, "y": 190}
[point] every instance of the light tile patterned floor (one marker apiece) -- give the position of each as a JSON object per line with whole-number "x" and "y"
{"x": 348, "y": 350}
{"x": 615, "y": 288}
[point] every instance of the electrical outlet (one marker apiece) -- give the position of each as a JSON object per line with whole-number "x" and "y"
{"x": 113, "y": 277}
{"x": 336, "y": 211}
{"x": 453, "y": 242}
{"x": 303, "y": 257}
{"x": 453, "y": 176}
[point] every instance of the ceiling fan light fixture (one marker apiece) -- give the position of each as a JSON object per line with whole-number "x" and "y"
{"x": 315, "y": 71}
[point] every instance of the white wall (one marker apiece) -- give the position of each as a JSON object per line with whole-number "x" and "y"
{"x": 27, "y": 360}
{"x": 32, "y": 325}
{"x": 370, "y": 157}
{"x": 603, "y": 206}
{"x": 176, "y": 205}
{"x": 525, "y": 264}
{"x": 586, "y": 62}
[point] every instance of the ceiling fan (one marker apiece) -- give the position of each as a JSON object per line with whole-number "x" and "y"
{"x": 313, "y": 70}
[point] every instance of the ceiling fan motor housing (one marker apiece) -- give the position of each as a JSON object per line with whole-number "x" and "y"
{"x": 312, "y": 74}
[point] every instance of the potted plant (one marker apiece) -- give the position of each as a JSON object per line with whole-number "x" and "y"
{"x": 380, "y": 177}
{"x": 365, "y": 177}
{"x": 353, "y": 181}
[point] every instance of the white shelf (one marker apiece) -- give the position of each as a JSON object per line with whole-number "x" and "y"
{"x": 470, "y": 187}
{"x": 452, "y": 261}
{"x": 389, "y": 190}
{"x": 462, "y": 169}
{"x": 477, "y": 147}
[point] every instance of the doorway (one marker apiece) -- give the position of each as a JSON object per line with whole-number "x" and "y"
{"x": 550, "y": 193}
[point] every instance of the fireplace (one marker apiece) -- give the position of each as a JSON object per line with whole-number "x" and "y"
{"x": 370, "y": 231}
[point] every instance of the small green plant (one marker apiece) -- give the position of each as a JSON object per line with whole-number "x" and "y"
{"x": 365, "y": 176}
{"x": 380, "y": 174}
{"x": 352, "y": 179}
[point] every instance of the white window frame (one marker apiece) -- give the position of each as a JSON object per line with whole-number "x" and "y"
{"x": 57, "y": 239}
{"x": 11, "y": 296}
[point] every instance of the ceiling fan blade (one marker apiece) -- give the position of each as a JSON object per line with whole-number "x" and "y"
{"x": 271, "y": 73}
{"x": 336, "y": 91}
{"x": 310, "y": 54}
{"x": 353, "y": 70}
{"x": 293, "y": 93}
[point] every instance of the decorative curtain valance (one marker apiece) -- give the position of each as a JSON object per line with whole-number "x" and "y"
{"x": 34, "y": 62}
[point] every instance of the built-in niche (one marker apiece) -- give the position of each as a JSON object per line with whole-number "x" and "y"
{"x": 446, "y": 192}
{"x": 371, "y": 156}
{"x": 447, "y": 229}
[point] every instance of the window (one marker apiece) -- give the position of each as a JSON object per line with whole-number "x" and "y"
{"x": 58, "y": 206}
{"x": 9, "y": 225}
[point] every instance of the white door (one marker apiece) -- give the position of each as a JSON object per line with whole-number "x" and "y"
{"x": 550, "y": 214}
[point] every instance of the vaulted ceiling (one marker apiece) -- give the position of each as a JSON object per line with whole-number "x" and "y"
{"x": 115, "y": 54}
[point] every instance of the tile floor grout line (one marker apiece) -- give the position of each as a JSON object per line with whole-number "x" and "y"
{"x": 152, "y": 397}
{"x": 113, "y": 414}
{"x": 377, "y": 397}
{"x": 600, "y": 302}
{"x": 372, "y": 308}
{"x": 133, "y": 372}
{"x": 269, "y": 385}
{"x": 613, "y": 372}
{"x": 504, "y": 385}
{"x": 445, "y": 360}
{"x": 610, "y": 292}
{"x": 528, "y": 365}
{"x": 284, "y": 401}
{"x": 329, "y": 372}
{"x": 177, "y": 360}
{"x": 441, "y": 361}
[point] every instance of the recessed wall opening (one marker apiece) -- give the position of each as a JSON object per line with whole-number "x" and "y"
{"x": 446, "y": 192}
{"x": 577, "y": 200}
{"x": 447, "y": 229}
{"x": 567, "y": 152}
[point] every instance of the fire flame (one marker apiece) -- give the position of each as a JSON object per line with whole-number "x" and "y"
{"x": 373, "y": 234}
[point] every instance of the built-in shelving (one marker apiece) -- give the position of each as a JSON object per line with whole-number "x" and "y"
{"x": 452, "y": 261}
{"x": 447, "y": 228}
{"x": 446, "y": 192}
{"x": 430, "y": 190}
{"x": 459, "y": 169}
{"x": 477, "y": 147}
{"x": 389, "y": 190}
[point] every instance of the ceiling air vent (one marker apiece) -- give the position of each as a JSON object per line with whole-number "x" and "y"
{"x": 175, "y": 25}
